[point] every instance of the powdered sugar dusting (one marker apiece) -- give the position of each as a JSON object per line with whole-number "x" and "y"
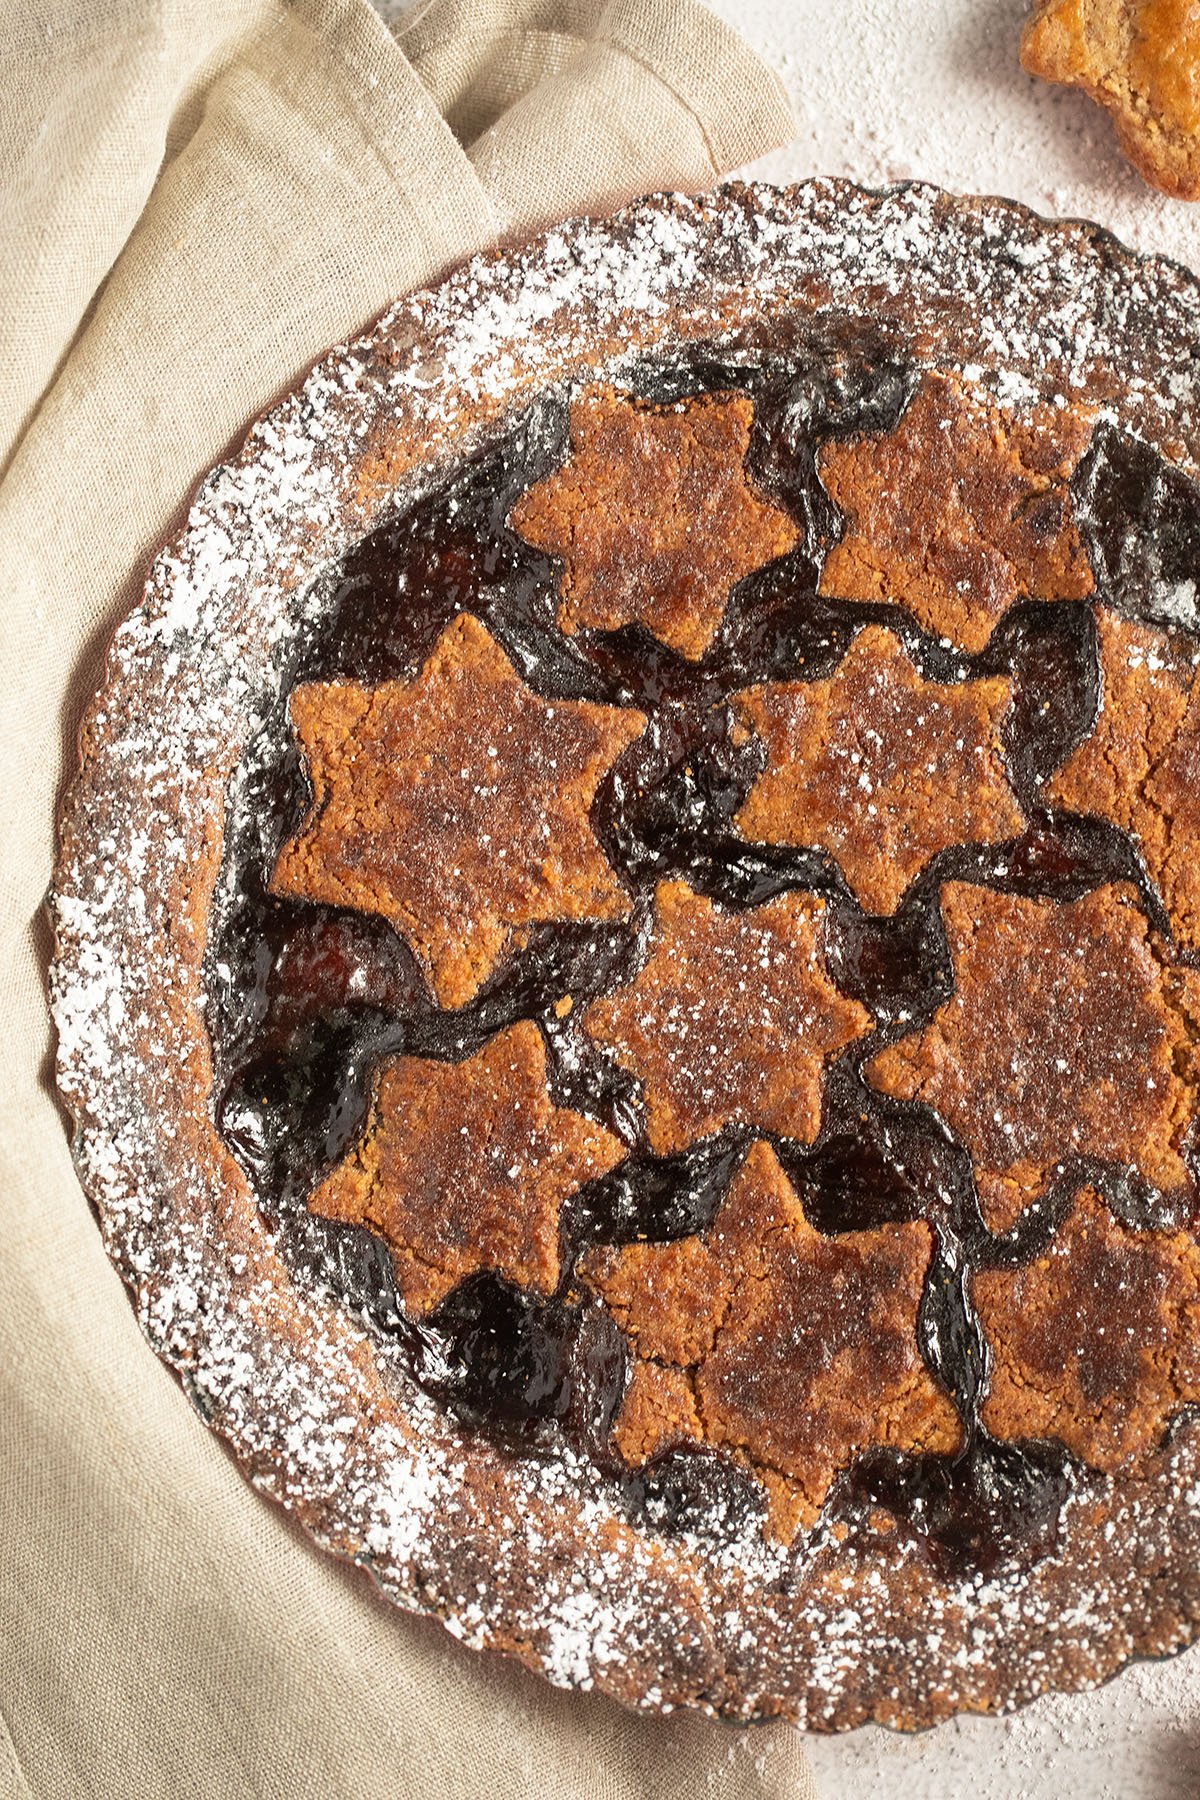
{"x": 538, "y": 1557}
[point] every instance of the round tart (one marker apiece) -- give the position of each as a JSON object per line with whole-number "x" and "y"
{"x": 629, "y": 954}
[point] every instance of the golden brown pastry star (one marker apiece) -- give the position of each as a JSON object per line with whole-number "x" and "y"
{"x": 654, "y": 516}
{"x": 1066, "y": 1036}
{"x": 792, "y": 1350}
{"x": 958, "y": 511}
{"x": 462, "y": 1167}
{"x": 456, "y": 806}
{"x": 1097, "y": 1342}
{"x": 879, "y": 767}
{"x": 1140, "y": 765}
{"x": 731, "y": 1020}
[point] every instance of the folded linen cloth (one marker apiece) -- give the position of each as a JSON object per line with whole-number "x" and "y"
{"x": 198, "y": 197}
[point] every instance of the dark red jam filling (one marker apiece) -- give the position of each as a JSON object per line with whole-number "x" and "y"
{"x": 306, "y": 999}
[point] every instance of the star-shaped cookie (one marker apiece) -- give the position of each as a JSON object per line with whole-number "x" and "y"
{"x": 1097, "y": 1342}
{"x": 731, "y": 1020}
{"x": 791, "y": 1350}
{"x": 879, "y": 767}
{"x": 463, "y": 1167}
{"x": 1066, "y": 1036}
{"x": 654, "y": 516}
{"x": 455, "y": 806}
{"x": 1140, "y": 765}
{"x": 958, "y": 511}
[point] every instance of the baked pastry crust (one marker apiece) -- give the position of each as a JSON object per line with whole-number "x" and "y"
{"x": 1140, "y": 60}
{"x": 397, "y": 832}
{"x": 706, "y": 1061}
{"x": 959, "y": 510}
{"x": 1067, "y": 1032}
{"x": 1140, "y": 766}
{"x": 653, "y": 516}
{"x": 880, "y": 767}
{"x": 561, "y": 1559}
{"x": 793, "y": 1349}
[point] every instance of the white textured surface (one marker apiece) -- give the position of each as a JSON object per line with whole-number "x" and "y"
{"x": 884, "y": 89}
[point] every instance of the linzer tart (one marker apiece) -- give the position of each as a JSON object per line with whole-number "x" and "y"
{"x": 629, "y": 954}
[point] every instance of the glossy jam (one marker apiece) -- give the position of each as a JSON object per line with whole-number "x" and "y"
{"x": 306, "y": 999}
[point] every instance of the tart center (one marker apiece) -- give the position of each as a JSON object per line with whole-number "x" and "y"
{"x": 716, "y": 899}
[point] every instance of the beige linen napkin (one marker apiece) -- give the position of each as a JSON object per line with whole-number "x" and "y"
{"x": 198, "y": 196}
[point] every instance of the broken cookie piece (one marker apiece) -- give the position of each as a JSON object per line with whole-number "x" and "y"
{"x": 1140, "y": 59}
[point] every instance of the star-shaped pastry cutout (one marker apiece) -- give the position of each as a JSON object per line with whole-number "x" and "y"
{"x": 1097, "y": 1342}
{"x": 731, "y": 1020}
{"x": 455, "y": 806}
{"x": 790, "y": 1350}
{"x": 654, "y": 516}
{"x": 1140, "y": 765}
{"x": 879, "y": 767}
{"x": 958, "y": 511}
{"x": 1066, "y": 1036}
{"x": 463, "y": 1167}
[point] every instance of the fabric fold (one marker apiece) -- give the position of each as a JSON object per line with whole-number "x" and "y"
{"x": 201, "y": 196}
{"x": 519, "y": 79}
